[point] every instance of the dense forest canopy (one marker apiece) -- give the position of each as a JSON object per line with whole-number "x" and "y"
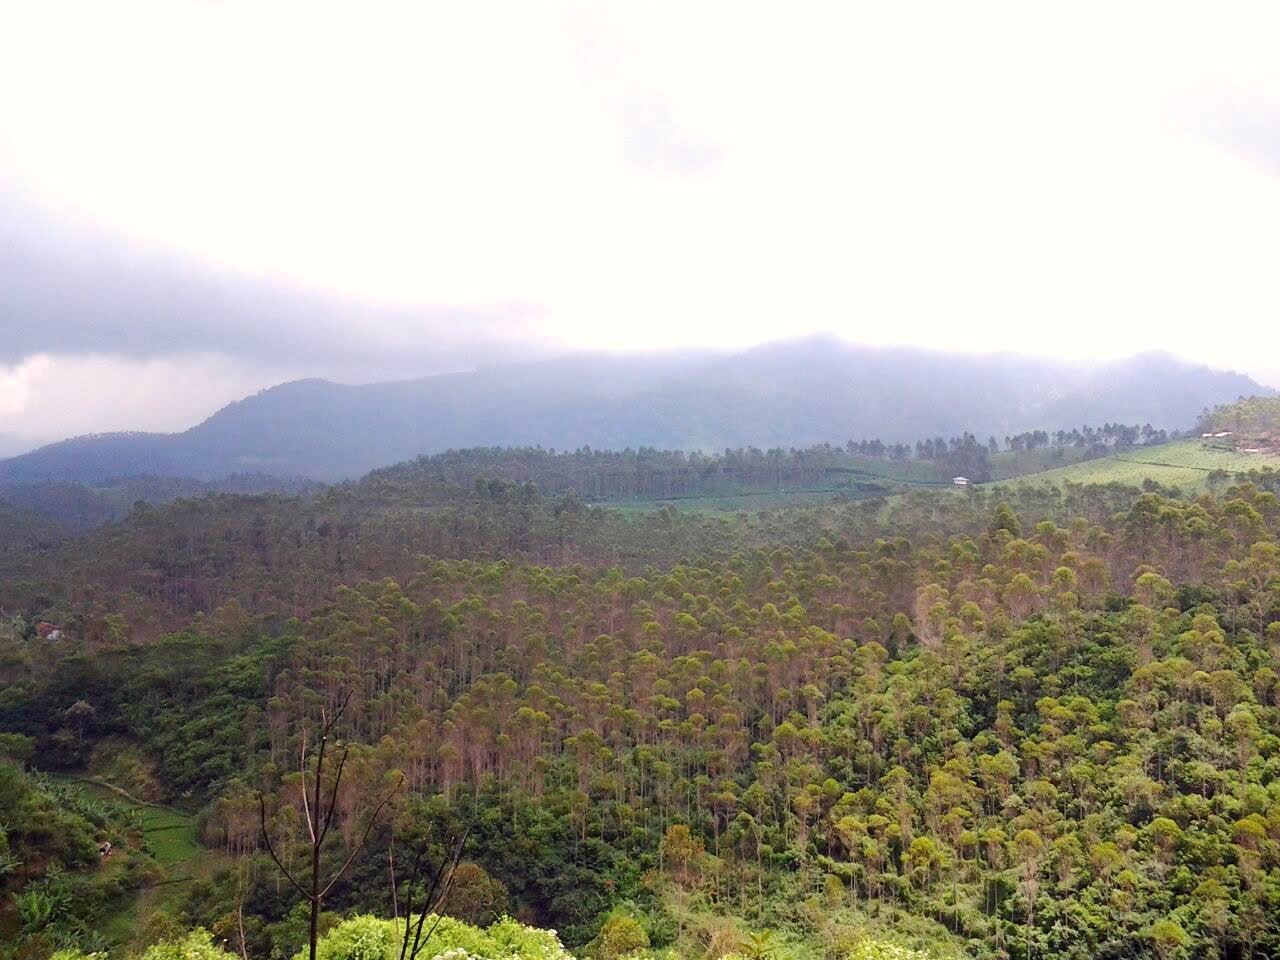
{"x": 1006, "y": 720}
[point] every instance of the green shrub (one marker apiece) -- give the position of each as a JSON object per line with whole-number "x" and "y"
{"x": 362, "y": 938}
{"x": 474, "y": 896}
{"x": 620, "y": 935}
{"x": 868, "y": 949}
{"x": 371, "y": 938}
{"x": 197, "y": 945}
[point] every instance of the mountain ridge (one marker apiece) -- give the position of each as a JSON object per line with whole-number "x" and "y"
{"x": 786, "y": 393}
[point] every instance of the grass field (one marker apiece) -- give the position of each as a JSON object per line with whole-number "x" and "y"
{"x": 1013, "y": 463}
{"x": 852, "y": 478}
{"x": 731, "y": 502}
{"x": 170, "y": 833}
{"x": 1185, "y": 464}
{"x": 171, "y": 837}
{"x": 909, "y": 471}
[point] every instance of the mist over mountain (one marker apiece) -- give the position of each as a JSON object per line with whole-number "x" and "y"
{"x": 782, "y": 394}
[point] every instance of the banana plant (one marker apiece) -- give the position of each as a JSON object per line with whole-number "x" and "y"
{"x": 760, "y": 946}
{"x": 8, "y": 864}
{"x": 36, "y": 909}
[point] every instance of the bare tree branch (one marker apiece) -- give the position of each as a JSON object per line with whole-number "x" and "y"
{"x": 427, "y": 902}
{"x": 302, "y": 766}
{"x": 319, "y": 818}
{"x": 436, "y": 894}
{"x": 262, "y": 811}
{"x": 313, "y": 814}
{"x": 365, "y": 836}
{"x": 333, "y": 797}
{"x": 391, "y": 865}
{"x": 413, "y": 880}
{"x": 337, "y": 715}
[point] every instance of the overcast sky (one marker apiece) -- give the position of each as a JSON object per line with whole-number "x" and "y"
{"x": 201, "y": 199}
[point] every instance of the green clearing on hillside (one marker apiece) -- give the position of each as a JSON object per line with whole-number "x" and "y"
{"x": 748, "y": 502}
{"x": 1009, "y": 464}
{"x": 170, "y": 836}
{"x": 1186, "y": 464}
{"x": 863, "y": 477}
{"x": 170, "y": 833}
{"x": 909, "y": 471}
{"x": 855, "y": 478}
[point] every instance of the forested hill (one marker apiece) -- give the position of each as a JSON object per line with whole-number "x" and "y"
{"x": 780, "y": 395}
{"x": 1005, "y": 722}
{"x": 166, "y": 562}
{"x": 1028, "y": 723}
{"x": 72, "y": 507}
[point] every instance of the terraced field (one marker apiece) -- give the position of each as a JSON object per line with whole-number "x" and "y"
{"x": 170, "y": 833}
{"x": 1186, "y": 464}
{"x": 1008, "y": 464}
{"x": 748, "y": 502}
{"x": 854, "y": 478}
{"x": 171, "y": 837}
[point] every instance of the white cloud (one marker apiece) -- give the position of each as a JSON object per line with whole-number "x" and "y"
{"x": 1056, "y": 179}
{"x": 48, "y": 397}
{"x": 16, "y": 385}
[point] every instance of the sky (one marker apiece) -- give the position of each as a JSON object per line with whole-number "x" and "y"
{"x": 201, "y": 199}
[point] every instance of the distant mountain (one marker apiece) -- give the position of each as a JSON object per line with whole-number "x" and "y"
{"x": 783, "y": 394}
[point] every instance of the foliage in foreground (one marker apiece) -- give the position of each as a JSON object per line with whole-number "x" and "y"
{"x": 371, "y": 938}
{"x": 56, "y": 888}
{"x": 196, "y": 945}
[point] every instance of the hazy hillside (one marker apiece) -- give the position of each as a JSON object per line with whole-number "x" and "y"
{"x": 78, "y": 506}
{"x": 785, "y": 394}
